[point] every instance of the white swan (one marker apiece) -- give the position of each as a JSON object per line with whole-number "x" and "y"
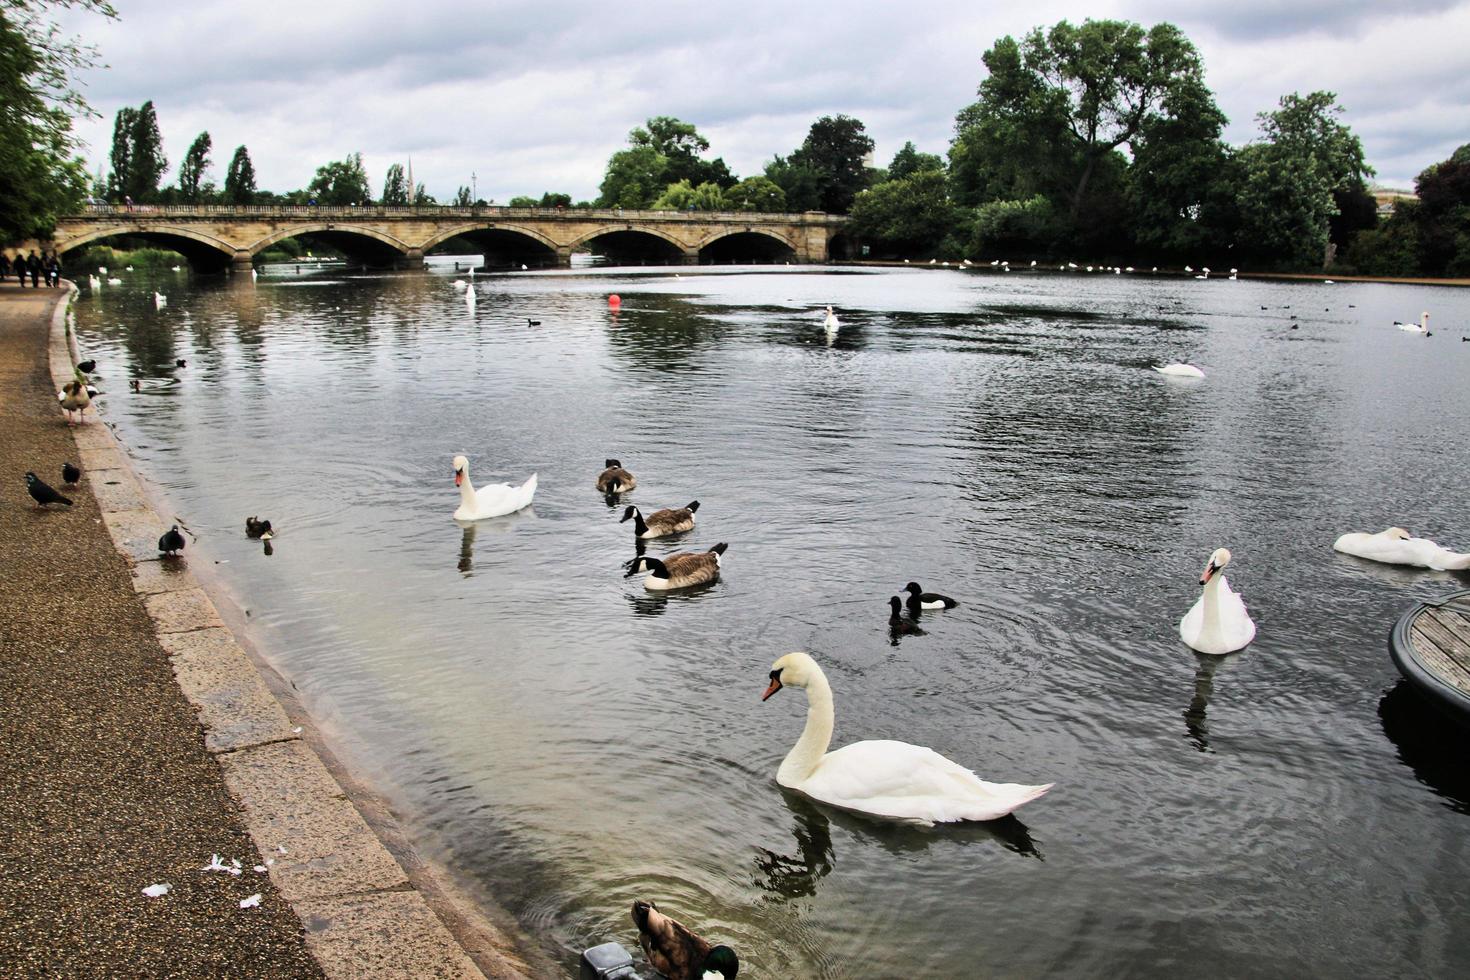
{"x": 94, "y": 282}
{"x": 1421, "y": 327}
{"x": 159, "y": 301}
{"x": 1217, "y": 622}
{"x": 1396, "y": 546}
{"x": 494, "y": 500}
{"x": 1180, "y": 370}
{"x": 114, "y": 281}
{"x": 894, "y": 780}
{"x": 830, "y": 323}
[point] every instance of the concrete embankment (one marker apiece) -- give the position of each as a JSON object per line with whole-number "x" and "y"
{"x": 138, "y": 740}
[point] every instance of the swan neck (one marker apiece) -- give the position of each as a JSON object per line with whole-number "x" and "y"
{"x": 1210, "y": 621}
{"x": 815, "y": 737}
{"x": 467, "y": 490}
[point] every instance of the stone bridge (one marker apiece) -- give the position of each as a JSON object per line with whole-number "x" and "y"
{"x": 215, "y": 237}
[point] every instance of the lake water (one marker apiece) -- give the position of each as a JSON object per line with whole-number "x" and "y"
{"x": 566, "y": 742}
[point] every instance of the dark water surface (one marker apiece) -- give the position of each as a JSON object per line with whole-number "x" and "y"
{"x": 566, "y": 742}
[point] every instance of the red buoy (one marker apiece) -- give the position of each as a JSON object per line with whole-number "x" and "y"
{"x": 614, "y": 301}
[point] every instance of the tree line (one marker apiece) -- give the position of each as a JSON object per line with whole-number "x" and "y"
{"x": 1099, "y": 139}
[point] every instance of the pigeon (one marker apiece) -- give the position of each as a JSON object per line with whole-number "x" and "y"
{"x": 172, "y": 542}
{"x": 87, "y": 367}
{"x": 42, "y": 493}
{"x": 70, "y": 474}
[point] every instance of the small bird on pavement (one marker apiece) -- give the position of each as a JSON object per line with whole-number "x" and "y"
{"x": 172, "y": 542}
{"x": 42, "y": 492}
{"x": 70, "y": 474}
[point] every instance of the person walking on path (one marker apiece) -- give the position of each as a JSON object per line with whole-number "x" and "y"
{"x": 33, "y": 264}
{"x": 4, "y": 266}
{"x": 53, "y": 270}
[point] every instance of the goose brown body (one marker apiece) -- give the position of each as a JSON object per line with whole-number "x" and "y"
{"x": 679, "y": 570}
{"x": 74, "y": 397}
{"x": 662, "y": 523}
{"x": 615, "y": 479}
{"x": 676, "y": 951}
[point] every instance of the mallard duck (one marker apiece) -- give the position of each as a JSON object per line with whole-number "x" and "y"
{"x": 919, "y": 599}
{"x": 172, "y": 542}
{"x": 255, "y": 528}
{"x": 679, "y": 570}
{"x": 661, "y": 523}
{"x": 677, "y": 952}
{"x": 615, "y": 479}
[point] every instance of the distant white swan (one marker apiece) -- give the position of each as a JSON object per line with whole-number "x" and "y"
{"x": 1218, "y": 621}
{"x": 159, "y": 301}
{"x": 1396, "y": 546}
{"x": 893, "y": 780}
{"x": 494, "y": 500}
{"x": 831, "y": 324}
{"x": 1180, "y": 370}
{"x": 114, "y": 281}
{"x": 1421, "y": 327}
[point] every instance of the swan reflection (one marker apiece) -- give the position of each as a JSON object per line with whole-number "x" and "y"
{"x": 796, "y": 875}
{"x": 467, "y": 548}
{"x": 1195, "y": 724}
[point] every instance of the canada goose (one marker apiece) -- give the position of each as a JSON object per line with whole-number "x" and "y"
{"x": 75, "y": 396}
{"x": 255, "y": 528}
{"x": 615, "y": 479}
{"x": 919, "y": 599}
{"x": 172, "y": 542}
{"x": 677, "y": 952}
{"x": 661, "y": 523}
{"x": 679, "y": 570}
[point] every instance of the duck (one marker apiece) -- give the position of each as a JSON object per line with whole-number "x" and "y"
{"x": 615, "y": 479}
{"x": 75, "y": 396}
{"x": 919, "y": 599}
{"x": 495, "y": 500}
{"x": 676, "y": 951}
{"x": 87, "y": 366}
{"x": 897, "y": 625}
{"x": 661, "y": 523}
{"x": 679, "y": 570}
{"x": 159, "y": 301}
{"x": 70, "y": 474}
{"x": 881, "y": 778}
{"x": 1217, "y": 622}
{"x": 255, "y": 528}
{"x": 114, "y": 281}
{"x": 1421, "y": 327}
{"x": 172, "y": 542}
{"x": 1180, "y": 370}
{"x": 1396, "y": 546}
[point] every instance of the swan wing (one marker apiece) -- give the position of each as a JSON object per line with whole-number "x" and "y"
{"x": 913, "y": 783}
{"x": 497, "y": 499}
{"x": 1431, "y": 555}
{"x": 1235, "y": 621}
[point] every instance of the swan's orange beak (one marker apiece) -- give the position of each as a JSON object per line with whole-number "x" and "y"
{"x": 458, "y": 477}
{"x": 775, "y": 686}
{"x": 1209, "y": 571}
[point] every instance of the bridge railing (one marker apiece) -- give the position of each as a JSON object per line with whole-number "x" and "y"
{"x": 438, "y": 213}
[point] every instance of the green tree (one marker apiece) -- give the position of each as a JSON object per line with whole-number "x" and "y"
{"x": 800, "y": 184}
{"x": 552, "y": 200}
{"x": 682, "y": 147}
{"x": 193, "y": 167}
{"x": 909, "y": 161}
{"x": 122, "y": 153}
{"x": 756, "y": 194}
{"x": 522, "y": 201}
{"x": 341, "y": 182}
{"x": 680, "y": 196}
{"x": 1179, "y": 185}
{"x": 635, "y": 177}
{"x": 1057, "y": 107}
{"x": 395, "y": 186}
{"x": 836, "y": 151}
{"x": 1442, "y": 216}
{"x": 462, "y": 198}
{"x": 240, "y": 178}
{"x": 422, "y": 197}
{"x": 910, "y": 216}
{"x": 147, "y": 163}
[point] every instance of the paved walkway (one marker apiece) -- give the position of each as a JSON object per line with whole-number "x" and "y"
{"x": 105, "y": 783}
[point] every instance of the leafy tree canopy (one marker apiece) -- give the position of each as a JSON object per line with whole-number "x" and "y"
{"x": 756, "y": 194}
{"x": 909, "y": 161}
{"x": 240, "y": 178}
{"x": 836, "y": 152}
{"x": 341, "y": 182}
{"x": 192, "y": 170}
{"x": 635, "y": 177}
{"x": 909, "y": 216}
{"x": 395, "y": 186}
{"x": 680, "y": 196}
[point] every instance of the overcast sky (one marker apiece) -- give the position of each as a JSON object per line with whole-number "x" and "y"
{"x": 535, "y": 96}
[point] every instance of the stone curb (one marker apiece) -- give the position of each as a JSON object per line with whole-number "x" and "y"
{"x": 362, "y": 916}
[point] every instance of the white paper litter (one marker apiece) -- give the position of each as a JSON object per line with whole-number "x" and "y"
{"x": 251, "y": 902}
{"x": 157, "y": 891}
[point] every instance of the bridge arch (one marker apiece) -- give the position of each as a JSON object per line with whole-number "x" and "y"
{"x": 469, "y": 229}
{"x": 746, "y": 245}
{"x": 203, "y": 251}
{"x": 360, "y": 243}
{"x": 624, "y": 243}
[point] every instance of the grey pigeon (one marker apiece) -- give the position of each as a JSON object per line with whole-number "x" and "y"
{"x": 172, "y": 541}
{"x": 42, "y": 493}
